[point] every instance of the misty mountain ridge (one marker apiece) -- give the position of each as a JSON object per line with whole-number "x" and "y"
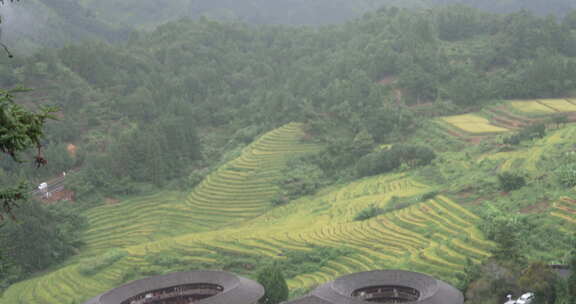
{"x": 48, "y": 23}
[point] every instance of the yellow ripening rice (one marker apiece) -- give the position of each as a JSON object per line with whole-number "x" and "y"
{"x": 531, "y": 106}
{"x": 473, "y": 124}
{"x": 560, "y": 105}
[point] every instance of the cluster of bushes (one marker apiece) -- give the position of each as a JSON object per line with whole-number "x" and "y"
{"x": 396, "y": 203}
{"x": 42, "y": 236}
{"x": 300, "y": 177}
{"x": 369, "y": 212}
{"x": 510, "y": 181}
{"x": 566, "y": 175}
{"x": 528, "y": 133}
{"x": 388, "y": 160}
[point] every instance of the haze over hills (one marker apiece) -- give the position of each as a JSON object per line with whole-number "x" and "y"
{"x": 34, "y": 23}
{"x": 438, "y": 140}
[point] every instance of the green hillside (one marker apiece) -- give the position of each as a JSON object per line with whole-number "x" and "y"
{"x": 236, "y": 229}
{"x": 438, "y": 140}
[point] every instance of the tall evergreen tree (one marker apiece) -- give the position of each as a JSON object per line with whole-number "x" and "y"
{"x": 276, "y": 289}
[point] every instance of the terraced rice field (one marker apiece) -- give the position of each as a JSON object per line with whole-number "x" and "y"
{"x": 527, "y": 159}
{"x": 433, "y": 237}
{"x": 531, "y": 106}
{"x": 473, "y": 124}
{"x": 560, "y": 105}
{"x": 229, "y": 215}
{"x": 508, "y": 116}
{"x": 565, "y": 209}
{"x": 239, "y": 190}
{"x": 544, "y": 106}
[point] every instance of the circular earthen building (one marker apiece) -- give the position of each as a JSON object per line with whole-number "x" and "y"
{"x": 384, "y": 286}
{"x": 199, "y": 287}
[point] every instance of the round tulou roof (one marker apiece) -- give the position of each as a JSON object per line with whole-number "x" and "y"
{"x": 431, "y": 290}
{"x": 236, "y": 289}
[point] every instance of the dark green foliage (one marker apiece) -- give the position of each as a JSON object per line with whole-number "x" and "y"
{"x": 391, "y": 159}
{"x": 566, "y": 171}
{"x": 385, "y": 122}
{"x": 468, "y": 89}
{"x": 505, "y": 230}
{"x": 20, "y": 130}
{"x": 540, "y": 279}
{"x": 279, "y": 201}
{"x": 228, "y": 82}
{"x": 527, "y": 133}
{"x": 276, "y": 289}
{"x": 396, "y": 203}
{"x": 495, "y": 281}
{"x": 510, "y": 181}
{"x": 300, "y": 177}
{"x": 368, "y": 213}
{"x": 472, "y": 272}
{"x": 41, "y": 237}
{"x": 429, "y": 195}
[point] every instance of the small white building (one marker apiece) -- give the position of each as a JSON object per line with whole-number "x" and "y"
{"x": 43, "y": 188}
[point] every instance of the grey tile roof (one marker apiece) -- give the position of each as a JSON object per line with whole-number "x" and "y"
{"x": 432, "y": 291}
{"x": 237, "y": 290}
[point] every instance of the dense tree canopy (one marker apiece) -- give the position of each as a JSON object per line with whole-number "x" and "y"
{"x": 354, "y": 82}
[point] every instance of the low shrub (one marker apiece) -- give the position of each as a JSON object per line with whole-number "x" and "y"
{"x": 368, "y": 213}
{"x": 530, "y": 132}
{"x": 388, "y": 160}
{"x": 279, "y": 200}
{"x": 429, "y": 195}
{"x": 566, "y": 175}
{"x": 509, "y": 181}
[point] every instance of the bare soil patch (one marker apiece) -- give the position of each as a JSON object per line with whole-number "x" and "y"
{"x": 62, "y": 195}
{"x": 387, "y": 80}
{"x": 72, "y": 149}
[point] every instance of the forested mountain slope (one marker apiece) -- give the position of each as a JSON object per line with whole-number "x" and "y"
{"x": 30, "y": 24}
{"x": 383, "y": 111}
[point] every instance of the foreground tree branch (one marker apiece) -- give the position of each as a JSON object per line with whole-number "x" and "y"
{"x": 20, "y": 130}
